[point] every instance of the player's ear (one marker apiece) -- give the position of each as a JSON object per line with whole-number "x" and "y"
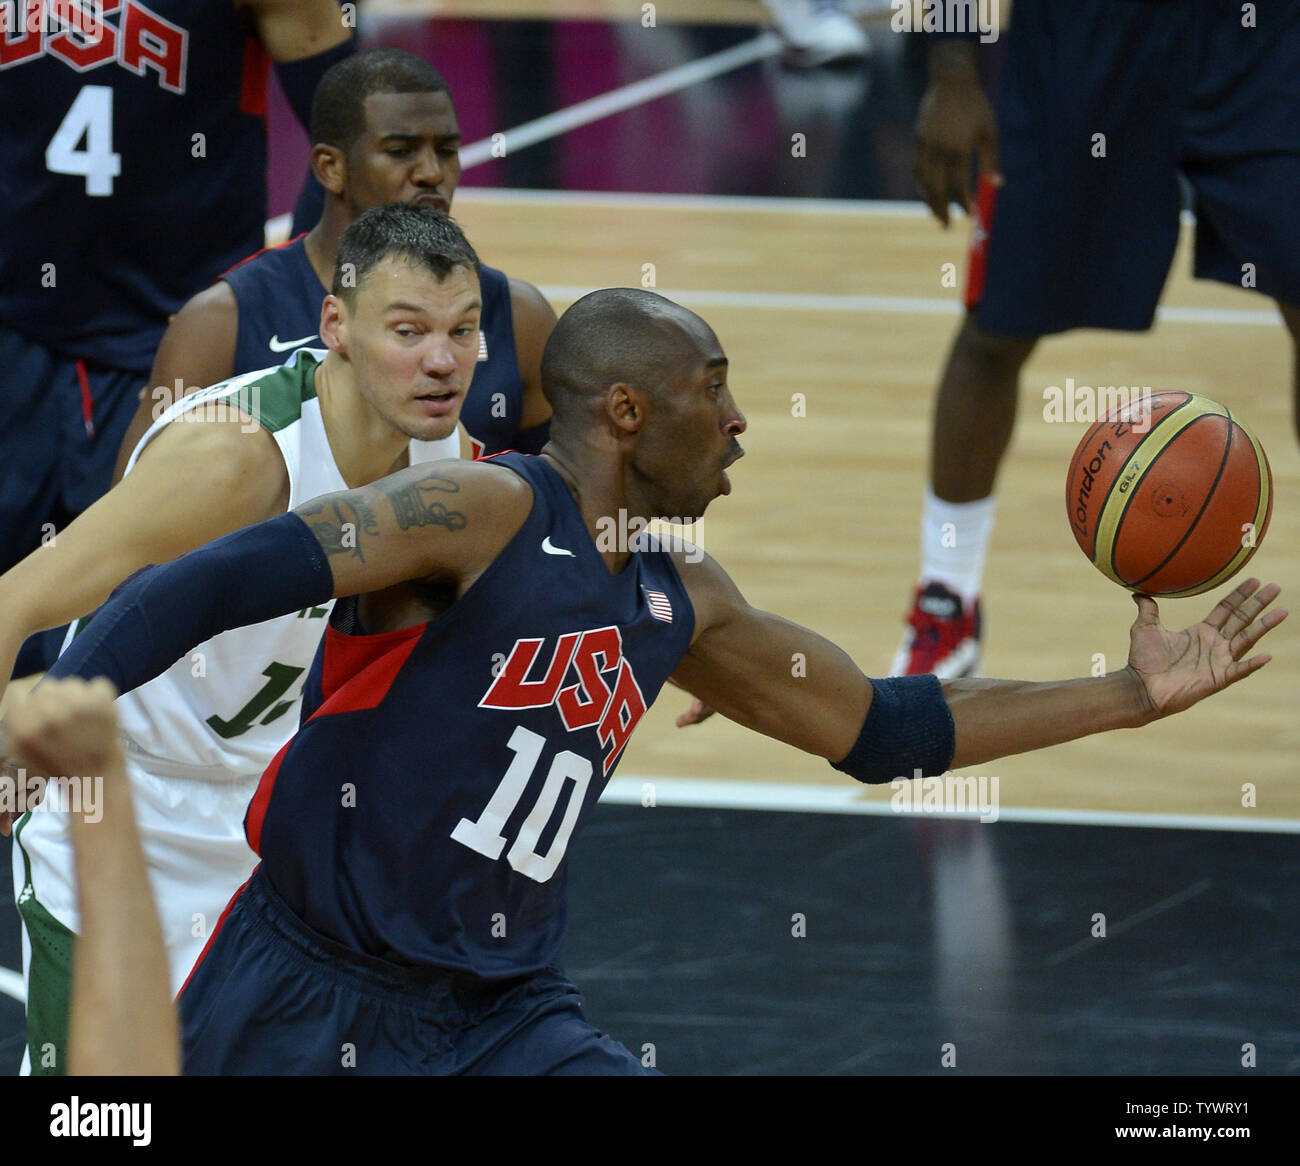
{"x": 330, "y": 167}
{"x": 333, "y": 320}
{"x": 624, "y": 407}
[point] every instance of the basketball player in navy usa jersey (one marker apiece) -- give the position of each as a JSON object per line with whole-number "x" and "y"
{"x": 385, "y": 131}
{"x": 409, "y": 908}
{"x": 132, "y": 172}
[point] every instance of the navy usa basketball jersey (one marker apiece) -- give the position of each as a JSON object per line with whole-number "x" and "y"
{"x": 133, "y": 171}
{"x": 423, "y": 813}
{"x": 279, "y": 297}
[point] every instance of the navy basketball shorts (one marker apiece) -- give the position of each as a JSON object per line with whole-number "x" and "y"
{"x": 61, "y": 424}
{"x": 269, "y": 996}
{"x": 1103, "y": 104}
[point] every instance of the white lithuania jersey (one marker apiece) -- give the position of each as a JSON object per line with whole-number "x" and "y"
{"x": 226, "y": 709}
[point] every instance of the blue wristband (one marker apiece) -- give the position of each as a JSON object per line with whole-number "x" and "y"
{"x": 908, "y": 727}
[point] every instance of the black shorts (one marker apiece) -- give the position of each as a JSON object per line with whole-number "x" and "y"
{"x": 1079, "y": 239}
{"x": 61, "y": 424}
{"x": 270, "y": 996}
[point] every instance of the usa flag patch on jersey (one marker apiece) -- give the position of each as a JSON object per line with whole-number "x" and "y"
{"x": 660, "y": 608}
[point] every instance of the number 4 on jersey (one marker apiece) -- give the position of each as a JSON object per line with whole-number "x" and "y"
{"x": 91, "y": 117}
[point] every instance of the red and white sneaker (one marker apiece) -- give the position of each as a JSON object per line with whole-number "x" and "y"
{"x": 942, "y": 636}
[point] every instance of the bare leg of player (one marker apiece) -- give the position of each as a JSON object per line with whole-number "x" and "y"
{"x": 974, "y": 414}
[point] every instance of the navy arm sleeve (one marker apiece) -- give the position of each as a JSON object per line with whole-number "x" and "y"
{"x": 252, "y": 575}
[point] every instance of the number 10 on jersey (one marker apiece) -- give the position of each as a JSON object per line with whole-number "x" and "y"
{"x": 485, "y": 834}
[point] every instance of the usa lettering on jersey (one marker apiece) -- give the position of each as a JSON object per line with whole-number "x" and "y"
{"x": 80, "y": 34}
{"x": 613, "y": 706}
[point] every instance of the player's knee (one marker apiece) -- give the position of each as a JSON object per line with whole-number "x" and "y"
{"x": 998, "y": 358}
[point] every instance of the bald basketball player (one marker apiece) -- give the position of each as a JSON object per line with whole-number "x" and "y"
{"x": 402, "y": 347}
{"x": 478, "y": 685}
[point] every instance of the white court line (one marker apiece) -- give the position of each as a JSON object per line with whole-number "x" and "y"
{"x": 723, "y": 204}
{"x": 707, "y": 203}
{"x": 900, "y": 305}
{"x": 904, "y": 305}
{"x": 11, "y": 984}
{"x": 719, "y": 203}
{"x": 835, "y": 799}
{"x": 766, "y": 44}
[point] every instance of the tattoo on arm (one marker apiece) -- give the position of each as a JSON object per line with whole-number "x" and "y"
{"x": 414, "y": 505}
{"x": 342, "y": 523}
{"x": 339, "y": 523}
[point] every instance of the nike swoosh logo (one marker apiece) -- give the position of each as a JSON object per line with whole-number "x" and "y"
{"x": 275, "y": 344}
{"x": 551, "y": 549}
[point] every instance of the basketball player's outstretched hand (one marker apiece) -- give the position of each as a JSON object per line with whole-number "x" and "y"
{"x": 1179, "y": 668}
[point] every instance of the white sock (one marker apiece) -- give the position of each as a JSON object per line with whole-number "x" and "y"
{"x": 955, "y": 539}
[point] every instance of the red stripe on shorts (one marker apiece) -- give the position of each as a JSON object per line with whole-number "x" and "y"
{"x": 87, "y": 401}
{"x": 986, "y": 198}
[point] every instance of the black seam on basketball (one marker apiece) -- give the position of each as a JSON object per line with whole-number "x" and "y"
{"x": 1223, "y": 461}
{"x": 1263, "y": 478}
{"x": 1119, "y": 477}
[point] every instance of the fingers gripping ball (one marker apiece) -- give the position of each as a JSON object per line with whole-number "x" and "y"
{"x": 1170, "y": 495}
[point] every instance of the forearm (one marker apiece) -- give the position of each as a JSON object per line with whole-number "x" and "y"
{"x": 122, "y": 1019}
{"x": 247, "y": 577}
{"x": 996, "y": 718}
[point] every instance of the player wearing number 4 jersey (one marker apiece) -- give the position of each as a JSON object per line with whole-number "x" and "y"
{"x": 402, "y": 349}
{"x": 409, "y": 909}
{"x": 132, "y": 172}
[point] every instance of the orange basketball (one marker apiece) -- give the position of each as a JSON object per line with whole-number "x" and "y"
{"x": 1170, "y": 495}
